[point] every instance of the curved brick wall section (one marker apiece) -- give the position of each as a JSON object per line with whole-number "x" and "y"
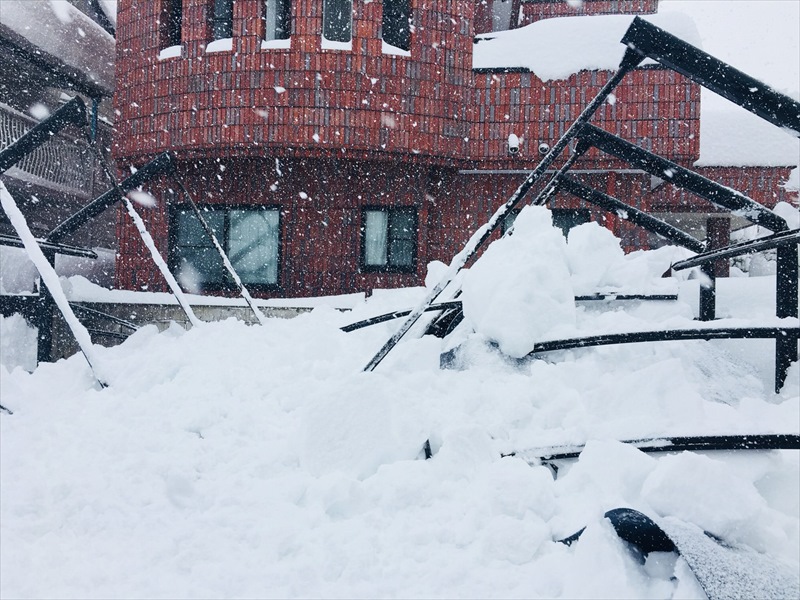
{"x": 249, "y": 99}
{"x": 306, "y": 101}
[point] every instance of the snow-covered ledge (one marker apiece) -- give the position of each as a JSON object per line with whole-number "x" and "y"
{"x": 555, "y": 49}
{"x": 331, "y": 45}
{"x": 394, "y": 50}
{"x": 221, "y": 45}
{"x": 276, "y": 44}
{"x": 170, "y": 52}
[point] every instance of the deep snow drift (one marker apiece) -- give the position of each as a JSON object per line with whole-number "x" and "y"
{"x": 246, "y": 461}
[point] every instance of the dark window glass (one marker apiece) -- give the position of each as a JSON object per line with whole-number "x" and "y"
{"x": 397, "y": 23}
{"x": 277, "y": 18}
{"x": 390, "y": 239}
{"x": 249, "y": 236}
{"x": 566, "y": 218}
{"x": 171, "y": 22}
{"x": 222, "y": 19}
{"x": 563, "y": 218}
{"x": 338, "y": 20}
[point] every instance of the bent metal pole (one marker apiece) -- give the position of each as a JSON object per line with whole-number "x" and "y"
{"x": 243, "y": 291}
{"x": 50, "y": 280}
{"x": 148, "y": 240}
{"x": 630, "y": 60}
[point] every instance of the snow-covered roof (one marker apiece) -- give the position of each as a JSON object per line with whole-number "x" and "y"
{"x": 558, "y": 48}
{"x": 61, "y": 30}
{"x": 733, "y": 137}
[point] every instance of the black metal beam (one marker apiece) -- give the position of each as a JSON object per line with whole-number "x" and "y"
{"x": 682, "y": 177}
{"x": 716, "y": 333}
{"x": 72, "y": 113}
{"x": 769, "y": 441}
{"x": 630, "y": 213}
{"x": 629, "y": 61}
{"x": 397, "y": 314}
{"x": 160, "y": 164}
{"x": 15, "y": 242}
{"x": 784, "y": 238}
{"x": 710, "y": 72}
{"x": 57, "y": 72}
{"x": 102, "y": 18}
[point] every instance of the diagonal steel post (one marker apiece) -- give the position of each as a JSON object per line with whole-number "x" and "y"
{"x": 243, "y": 291}
{"x": 630, "y": 60}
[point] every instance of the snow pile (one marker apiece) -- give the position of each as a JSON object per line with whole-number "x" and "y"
{"x": 598, "y": 264}
{"x": 260, "y": 461}
{"x": 732, "y": 136}
{"x": 17, "y": 343}
{"x": 593, "y": 44}
{"x": 519, "y": 291}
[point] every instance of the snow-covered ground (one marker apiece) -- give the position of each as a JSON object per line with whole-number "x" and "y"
{"x": 259, "y": 461}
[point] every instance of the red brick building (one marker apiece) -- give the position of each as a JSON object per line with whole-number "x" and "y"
{"x": 341, "y": 145}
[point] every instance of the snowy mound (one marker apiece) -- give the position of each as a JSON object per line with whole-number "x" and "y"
{"x": 236, "y": 461}
{"x": 519, "y": 291}
{"x": 593, "y": 43}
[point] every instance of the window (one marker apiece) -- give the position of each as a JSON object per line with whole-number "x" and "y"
{"x": 249, "y": 236}
{"x": 397, "y": 23}
{"x": 389, "y": 241}
{"x": 222, "y": 19}
{"x": 501, "y": 15}
{"x": 337, "y": 20}
{"x": 170, "y": 22}
{"x": 277, "y": 18}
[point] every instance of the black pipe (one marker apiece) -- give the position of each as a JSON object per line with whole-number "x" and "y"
{"x": 683, "y": 178}
{"x": 784, "y": 238}
{"x": 72, "y": 113}
{"x": 710, "y": 72}
{"x": 160, "y": 164}
{"x": 632, "y": 214}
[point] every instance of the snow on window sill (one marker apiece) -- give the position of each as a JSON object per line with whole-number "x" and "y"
{"x": 222, "y": 45}
{"x": 170, "y": 52}
{"x": 389, "y": 49}
{"x": 331, "y": 45}
{"x": 273, "y": 44}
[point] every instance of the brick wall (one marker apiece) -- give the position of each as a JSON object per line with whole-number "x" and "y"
{"x": 305, "y": 100}
{"x": 356, "y": 128}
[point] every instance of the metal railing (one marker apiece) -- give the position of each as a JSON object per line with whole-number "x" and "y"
{"x": 63, "y": 165}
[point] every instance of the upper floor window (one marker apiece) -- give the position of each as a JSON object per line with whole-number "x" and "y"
{"x": 249, "y": 235}
{"x": 170, "y": 22}
{"x": 337, "y": 20}
{"x": 277, "y": 18}
{"x": 396, "y": 25}
{"x": 222, "y": 19}
{"x": 389, "y": 240}
{"x": 501, "y": 15}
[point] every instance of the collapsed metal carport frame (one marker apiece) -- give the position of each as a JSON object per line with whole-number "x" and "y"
{"x": 644, "y": 40}
{"x": 73, "y": 113}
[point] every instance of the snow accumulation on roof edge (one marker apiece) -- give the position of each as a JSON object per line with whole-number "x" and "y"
{"x": 63, "y": 31}
{"x": 560, "y": 47}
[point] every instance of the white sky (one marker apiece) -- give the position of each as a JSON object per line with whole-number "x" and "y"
{"x": 759, "y": 37}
